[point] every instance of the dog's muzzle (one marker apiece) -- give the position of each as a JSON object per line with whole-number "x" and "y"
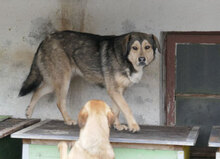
{"x": 142, "y": 64}
{"x": 142, "y": 61}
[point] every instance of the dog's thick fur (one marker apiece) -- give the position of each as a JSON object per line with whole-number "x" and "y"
{"x": 94, "y": 120}
{"x": 114, "y": 62}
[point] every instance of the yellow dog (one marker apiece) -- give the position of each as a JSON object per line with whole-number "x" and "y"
{"x": 95, "y": 120}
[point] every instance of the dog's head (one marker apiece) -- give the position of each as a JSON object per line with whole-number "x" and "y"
{"x": 139, "y": 48}
{"x": 96, "y": 108}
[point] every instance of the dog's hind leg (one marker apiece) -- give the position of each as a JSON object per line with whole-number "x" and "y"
{"x": 62, "y": 146}
{"x": 61, "y": 92}
{"x": 41, "y": 91}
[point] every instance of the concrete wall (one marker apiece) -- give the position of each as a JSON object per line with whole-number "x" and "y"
{"x": 25, "y": 23}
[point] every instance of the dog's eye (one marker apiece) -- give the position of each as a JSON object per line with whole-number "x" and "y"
{"x": 147, "y": 47}
{"x": 134, "y": 48}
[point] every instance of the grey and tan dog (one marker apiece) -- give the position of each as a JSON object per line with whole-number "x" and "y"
{"x": 113, "y": 62}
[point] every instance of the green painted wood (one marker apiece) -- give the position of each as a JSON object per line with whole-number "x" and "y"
{"x": 10, "y": 148}
{"x": 51, "y": 152}
{"x": 43, "y": 152}
{"x": 122, "y": 153}
{"x": 4, "y": 117}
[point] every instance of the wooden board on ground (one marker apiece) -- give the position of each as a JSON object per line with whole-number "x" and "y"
{"x": 11, "y": 125}
{"x": 57, "y": 130}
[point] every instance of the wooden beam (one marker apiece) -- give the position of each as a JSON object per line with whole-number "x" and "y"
{"x": 199, "y": 95}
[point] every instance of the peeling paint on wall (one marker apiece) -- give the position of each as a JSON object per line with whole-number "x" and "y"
{"x": 140, "y": 118}
{"x": 73, "y": 15}
{"x": 40, "y": 28}
{"x": 139, "y": 100}
{"x": 51, "y": 98}
{"x": 128, "y": 26}
{"x": 22, "y": 58}
{"x": 66, "y": 16}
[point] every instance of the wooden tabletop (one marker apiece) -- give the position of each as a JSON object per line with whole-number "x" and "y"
{"x": 11, "y": 125}
{"x": 214, "y": 139}
{"x": 57, "y": 130}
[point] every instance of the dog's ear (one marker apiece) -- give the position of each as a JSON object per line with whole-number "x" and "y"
{"x": 125, "y": 44}
{"x": 111, "y": 118}
{"x": 122, "y": 44}
{"x": 156, "y": 43}
{"x": 82, "y": 118}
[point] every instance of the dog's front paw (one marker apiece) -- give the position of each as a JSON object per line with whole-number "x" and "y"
{"x": 134, "y": 127}
{"x": 70, "y": 122}
{"x": 28, "y": 112}
{"x": 120, "y": 127}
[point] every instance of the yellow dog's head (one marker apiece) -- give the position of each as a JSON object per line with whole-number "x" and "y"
{"x": 96, "y": 108}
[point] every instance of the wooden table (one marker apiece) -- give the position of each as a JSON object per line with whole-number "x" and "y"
{"x": 154, "y": 142}
{"x": 214, "y": 140}
{"x": 7, "y": 145}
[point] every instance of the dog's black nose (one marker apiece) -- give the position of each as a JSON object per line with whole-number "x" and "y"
{"x": 141, "y": 59}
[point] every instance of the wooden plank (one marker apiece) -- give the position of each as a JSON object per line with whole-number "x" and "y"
{"x": 202, "y": 152}
{"x": 51, "y": 152}
{"x": 25, "y": 151}
{"x": 43, "y": 152}
{"x": 114, "y": 144}
{"x": 24, "y": 131}
{"x": 193, "y": 135}
{"x": 122, "y": 153}
{"x": 217, "y": 155}
{"x": 4, "y": 117}
{"x": 214, "y": 139}
{"x": 49, "y": 130}
{"x": 156, "y": 135}
{"x": 9, "y": 126}
{"x": 186, "y": 150}
{"x": 199, "y": 95}
{"x": 57, "y": 130}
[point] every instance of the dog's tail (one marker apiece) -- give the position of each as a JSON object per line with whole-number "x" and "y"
{"x": 33, "y": 80}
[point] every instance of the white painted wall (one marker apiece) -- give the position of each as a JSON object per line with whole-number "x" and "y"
{"x": 24, "y": 24}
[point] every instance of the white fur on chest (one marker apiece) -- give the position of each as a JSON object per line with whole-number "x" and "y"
{"x": 129, "y": 79}
{"x": 136, "y": 77}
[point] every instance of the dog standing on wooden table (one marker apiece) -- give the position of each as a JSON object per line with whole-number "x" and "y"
{"x": 113, "y": 62}
{"x": 95, "y": 120}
